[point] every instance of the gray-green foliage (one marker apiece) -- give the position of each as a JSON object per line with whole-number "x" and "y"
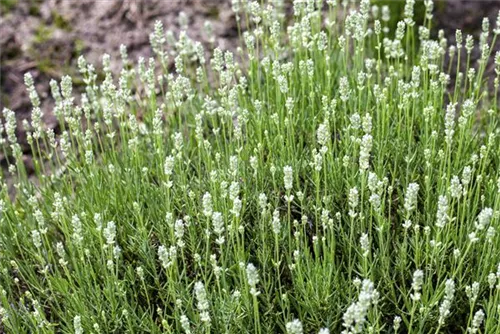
{"x": 324, "y": 178}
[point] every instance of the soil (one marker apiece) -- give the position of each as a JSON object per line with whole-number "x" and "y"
{"x": 46, "y": 37}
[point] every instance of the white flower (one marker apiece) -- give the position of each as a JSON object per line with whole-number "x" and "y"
{"x": 492, "y": 279}
{"x": 288, "y": 177}
{"x": 375, "y": 201}
{"x": 472, "y": 292}
{"x": 166, "y": 256}
{"x": 455, "y": 187}
{"x": 444, "y": 308}
{"x": 77, "y": 324}
{"x": 77, "y": 230}
{"x": 237, "y": 204}
{"x": 365, "y": 244}
{"x": 140, "y": 273}
{"x": 466, "y": 175}
{"x": 263, "y": 201}
{"x": 476, "y": 322}
{"x": 202, "y": 301}
{"x": 253, "y": 279}
{"x": 473, "y": 237}
{"x": 185, "y": 324}
{"x": 276, "y": 224}
{"x": 157, "y": 38}
{"x": 364, "y": 153}
{"x": 323, "y": 133}
{"x": 169, "y": 165}
{"x": 355, "y": 316}
{"x": 483, "y": 219}
{"x": 442, "y": 212}
{"x": 234, "y": 190}
{"x": 418, "y": 280}
{"x": 396, "y": 323}
{"x": 10, "y": 125}
{"x": 179, "y": 232}
{"x": 67, "y": 86}
{"x": 353, "y": 201}
{"x": 37, "y": 240}
{"x": 344, "y": 90}
{"x": 459, "y": 38}
{"x": 317, "y": 162}
{"x": 367, "y": 124}
{"x": 254, "y": 163}
{"x": 386, "y": 13}
{"x": 218, "y": 226}
{"x": 408, "y": 12}
{"x": 60, "y": 250}
{"x": 400, "y": 30}
{"x": 411, "y": 197}
{"x": 294, "y": 327}
{"x": 207, "y": 204}
{"x": 110, "y": 233}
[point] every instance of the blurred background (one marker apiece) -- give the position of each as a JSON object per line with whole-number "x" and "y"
{"x": 45, "y": 37}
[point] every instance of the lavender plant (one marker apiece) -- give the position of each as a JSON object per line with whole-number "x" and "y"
{"x": 327, "y": 177}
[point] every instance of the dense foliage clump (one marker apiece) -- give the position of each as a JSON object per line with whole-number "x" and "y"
{"x": 330, "y": 176}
